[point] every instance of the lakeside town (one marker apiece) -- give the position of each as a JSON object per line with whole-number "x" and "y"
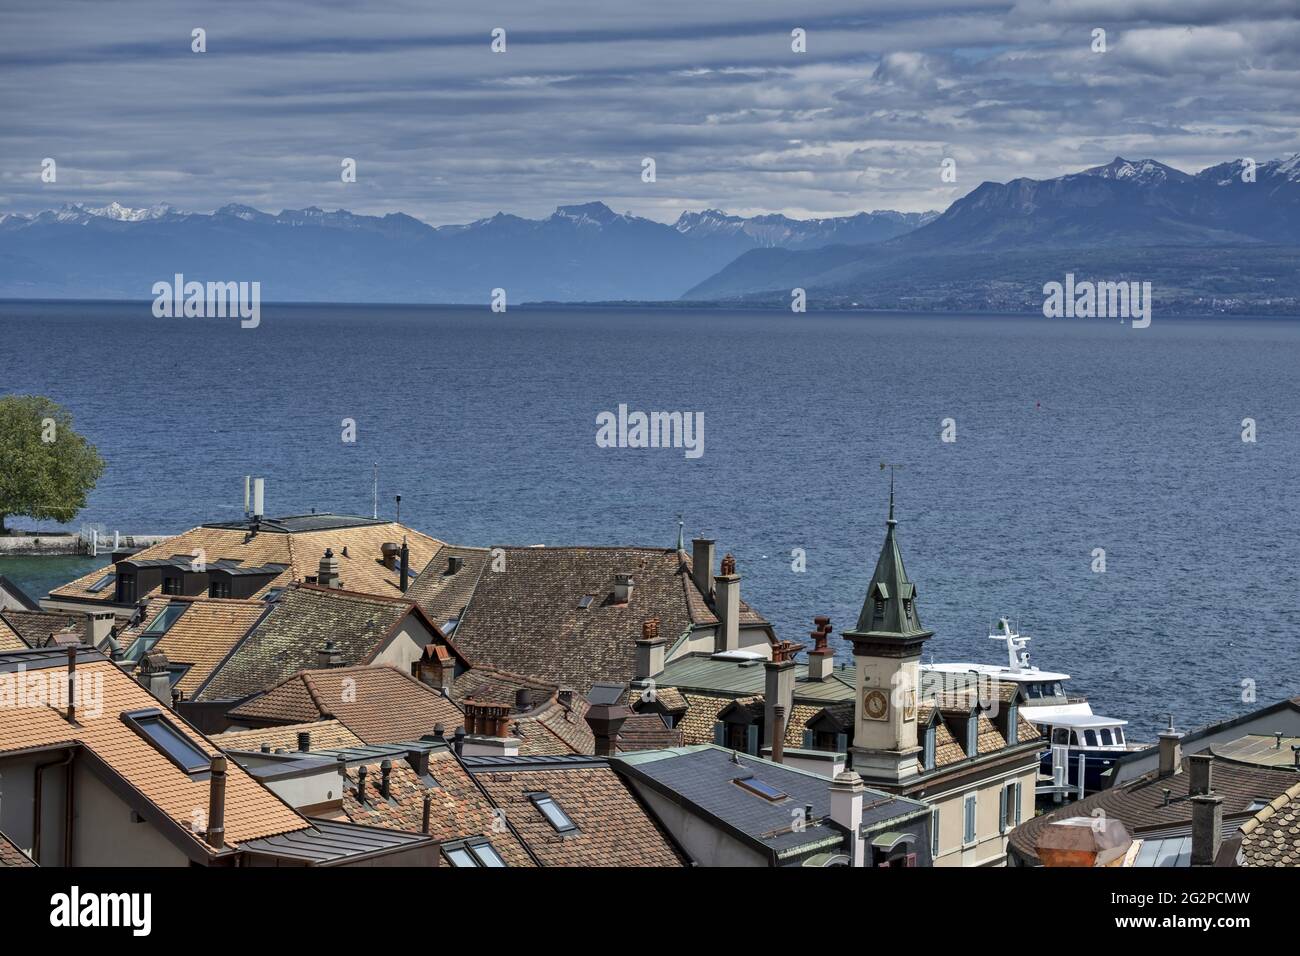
{"x": 333, "y": 690}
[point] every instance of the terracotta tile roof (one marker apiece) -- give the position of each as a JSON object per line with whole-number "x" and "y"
{"x": 946, "y": 748}
{"x": 613, "y": 828}
{"x": 360, "y": 569}
{"x": 492, "y": 685}
{"x": 11, "y": 854}
{"x": 205, "y": 633}
{"x": 35, "y": 627}
{"x": 701, "y": 613}
{"x": 380, "y": 704}
{"x": 10, "y": 640}
{"x": 526, "y": 618}
{"x": 1140, "y": 805}
{"x": 988, "y": 739}
{"x": 252, "y": 811}
{"x": 443, "y": 595}
{"x": 701, "y": 714}
{"x": 1272, "y": 836}
{"x": 325, "y": 735}
{"x": 647, "y": 732}
{"x": 300, "y": 621}
{"x": 568, "y": 725}
{"x": 548, "y": 727}
{"x": 460, "y": 806}
{"x": 668, "y": 699}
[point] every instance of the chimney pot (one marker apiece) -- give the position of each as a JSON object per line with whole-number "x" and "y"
{"x": 622, "y": 588}
{"x": 216, "y": 835}
{"x": 385, "y": 778}
{"x": 523, "y": 700}
{"x": 1200, "y": 771}
{"x": 361, "y": 783}
{"x": 1207, "y": 829}
{"x": 606, "y": 720}
{"x": 304, "y": 741}
{"x": 405, "y": 580}
{"x": 454, "y": 563}
{"x": 1171, "y": 751}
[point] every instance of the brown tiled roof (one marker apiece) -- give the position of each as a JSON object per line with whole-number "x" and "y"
{"x": 460, "y": 807}
{"x": 35, "y": 627}
{"x": 548, "y": 727}
{"x": 946, "y": 748}
{"x": 1272, "y": 836}
{"x": 325, "y": 735}
{"x": 10, "y": 640}
{"x": 380, "y": 704}
{"x": 252, "y": 811}
{"x": 495, "y": 686}
{"x": 701, "y": 613}
{"x": 202, "y": 636}
{"x": 443, "y": 596}
{"x": 988, "y": 739}
{"x": 701, "y": 714}
{"x": 1140, "y": 805}
{"x": 669, "y": 699}
{"x": 613, "y": 828}
{"x": 568, "y": 725}
{"x": 301, "y": 620}
{"x": 11, "y": 854}
{"x": 360, "y": 569}
{"x": 526, "y": 617}
{"x": 647, "y": 732}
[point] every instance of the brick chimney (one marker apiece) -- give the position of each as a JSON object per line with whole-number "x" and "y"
{"x": 1207, "y": 828}
{"x": 436, "y": 667}
{"x": 727, "y": 606}
{"x": 821, "y": 659}
{"x": 487, "y": 731}
{"x": 778, "y": 687}
{"x": 327, "y": 576}
{"x": 153, "y": 675}
{"x": 606, "y": 720}
{"x": 649, "y": 651}
{"x": 702, "y": 565}
{"x": 622, "y": 588}
{"x": 328, "y": 656}
{"x": 1171, "y": 750}
{"x": 1200, "y": 772}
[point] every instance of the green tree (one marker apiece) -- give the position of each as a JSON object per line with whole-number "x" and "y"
{"x": 46, "y": 468}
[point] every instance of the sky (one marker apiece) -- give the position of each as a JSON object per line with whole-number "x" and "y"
{"x": 444, "y": 129}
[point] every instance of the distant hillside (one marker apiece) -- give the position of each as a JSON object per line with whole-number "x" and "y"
{"x": 1207, "y": 241}
{"x": 583, "y": 252}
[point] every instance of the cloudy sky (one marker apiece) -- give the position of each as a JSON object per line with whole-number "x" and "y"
{"x": 448, "y": 131}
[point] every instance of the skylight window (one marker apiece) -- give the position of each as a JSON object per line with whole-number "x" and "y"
{"x": 165, "y": 618}
{"x": 551, "y": 810}
{"x": 168, "y": 740}
{"x": 142, "y": 646}
{"x": 102, "y": 583}
{"x": 585, "y": 601}
{"x": 473, "y": 853}
{"x": 756, "y": 786}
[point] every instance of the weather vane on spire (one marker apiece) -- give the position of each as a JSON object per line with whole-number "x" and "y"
{"x": 892, "y": 468}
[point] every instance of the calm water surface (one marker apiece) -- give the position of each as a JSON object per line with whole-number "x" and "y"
{"x": 1071, "y": 436}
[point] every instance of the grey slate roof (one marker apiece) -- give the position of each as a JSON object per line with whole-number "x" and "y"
{"x": 331, "y": 843}
{"x": 703, "y": 779}
{"x": 730, "y": 678}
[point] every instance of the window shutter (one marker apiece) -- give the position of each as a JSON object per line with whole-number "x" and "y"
{"x": 1002, "y": 809}
{"x": 720, "y": 733}
{"x": 841, "y": 743}
{"x": 929, "y": 747}
{"x": 751, "y": 739}
{"x": 807, "y": 740}
{"x": 1013, "y": 724}
{"x": 934, "y": 833}
{"x": 1018, "y": 802}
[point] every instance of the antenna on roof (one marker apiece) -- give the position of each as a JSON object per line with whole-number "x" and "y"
{"x": 248, "y": 491}
{"x": 399, "y": 509}
{"x": 376, "y": 511}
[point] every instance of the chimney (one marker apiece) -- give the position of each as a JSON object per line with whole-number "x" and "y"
{"x": 649, "y": 651}
{"x": 523, "y": 700}
{"x": 1171, "y": 751}
{"x": 458, "y": 741}
{"x": 248, "y": 496}
{"x": 424, "y": 822}
{"x": 727, "y": 606}
{"x": 778, "y": 733}
{"x": 361, "y": 783}
{"x": 606, "y": 720}
{"x": 386, "y": 778}
{"x": 436, "y": 668}
{"x": 328, "y": 656}
{"x": 419, "y": 761}
{"x": 405, "y": 580}
{"x": 846, "y": 811}
{"x": 154, "y": 676}
{"x": 259, "y": 498}
{"x": 487, "y": 728}
{"x": 1207, "y": 828}
{"x": 304, "y": 741}
{"x": 327, "y": 575}
{"x": 217, "y": 802}
{"x": 1200, "y": 771}
{"x": 390, "y": 552}
{"x": 71, "y": 713}
{"x": 778, "y": 688}
{"x": 622, "y": 588}
{"x": 702, "y": 565}
{"x": 99, "y": 626}
{"x": 454, "y": 563}
{"x": 821, "y": 659}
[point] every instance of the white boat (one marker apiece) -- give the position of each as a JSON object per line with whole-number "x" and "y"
{"x": 1074, "y": 733}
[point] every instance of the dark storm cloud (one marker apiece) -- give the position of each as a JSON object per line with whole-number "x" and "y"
{"x": 448, "y": 131}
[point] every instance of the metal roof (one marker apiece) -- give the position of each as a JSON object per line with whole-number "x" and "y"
{"x": 292, "y": 524}
{"x": 482, "y": 763}
{"x": 737, "y": 679}
{"x": 329, "y": 843}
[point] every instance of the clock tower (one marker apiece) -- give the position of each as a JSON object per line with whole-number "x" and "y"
{"x": 887, "y": 643}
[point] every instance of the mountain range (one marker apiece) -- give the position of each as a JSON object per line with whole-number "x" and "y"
{"x": 580, "y": 252}
{"x": 1218, "y": 240}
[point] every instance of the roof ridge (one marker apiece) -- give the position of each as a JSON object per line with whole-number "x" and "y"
{"x": 315, "y": 696}
{"x": 1277, "y": 803}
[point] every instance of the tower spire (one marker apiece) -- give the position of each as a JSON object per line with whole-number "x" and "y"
{"x": 681, "y": 542}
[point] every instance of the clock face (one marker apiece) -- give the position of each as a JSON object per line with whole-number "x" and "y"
{"x": 875, "y": 705}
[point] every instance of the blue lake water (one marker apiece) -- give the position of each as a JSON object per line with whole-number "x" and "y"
{"x": 1071, "y": 435}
